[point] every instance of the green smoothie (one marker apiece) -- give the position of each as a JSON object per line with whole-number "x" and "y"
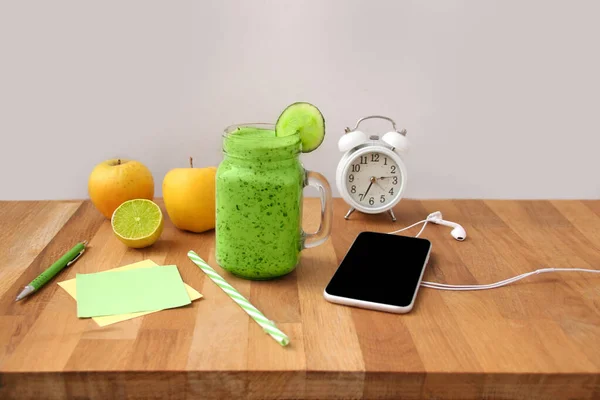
{"x": 259, "y": 203}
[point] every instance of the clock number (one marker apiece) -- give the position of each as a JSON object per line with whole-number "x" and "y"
{"x": 393, "y": 168}
{"x": 351, "y": 178}
{"x": 371, "y": 201}
{"x": 391, "y": 191}
{"x": 353, "y": 189}
{"x": 361, "y": 196}
{"x": 382, "y": 199}
{"x": 356, "y": 168}
{"x": 374, "y": 157}
{"x": 384, "y": 160}
{"x": 395, "y": 180}
{"x": 363, "y": 159}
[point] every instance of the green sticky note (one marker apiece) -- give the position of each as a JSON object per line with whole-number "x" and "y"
{"x": 136, "y": 290}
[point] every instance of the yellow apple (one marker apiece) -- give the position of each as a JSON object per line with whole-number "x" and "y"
{"x": 189, "y": 195}
{"x": 115, "y": 181}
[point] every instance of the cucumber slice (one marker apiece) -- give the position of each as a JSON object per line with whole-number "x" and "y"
{"x": 305, "y": 120}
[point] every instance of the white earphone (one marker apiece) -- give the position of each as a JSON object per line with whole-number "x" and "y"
{"x": 459, "y": 233}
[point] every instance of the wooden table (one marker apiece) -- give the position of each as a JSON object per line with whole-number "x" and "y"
{"x": 537, "y": 339}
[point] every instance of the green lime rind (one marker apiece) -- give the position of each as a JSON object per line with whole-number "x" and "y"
{"x": 305, "y": 120}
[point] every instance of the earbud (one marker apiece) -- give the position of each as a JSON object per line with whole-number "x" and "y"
{"x": 434, "y": 215}
{"x": 458, "y": 232}
{"x": 350, "y": 140}
{"x": 398, "y": 141}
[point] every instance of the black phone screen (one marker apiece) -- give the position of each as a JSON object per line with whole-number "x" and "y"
{"x": 381, "y": 268}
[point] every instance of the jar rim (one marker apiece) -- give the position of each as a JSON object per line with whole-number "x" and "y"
{"x": 229, "y": 130}
{"x": 251, "y": 146}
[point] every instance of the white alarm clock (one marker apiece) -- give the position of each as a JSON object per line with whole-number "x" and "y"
{"x": 371, "y": 176}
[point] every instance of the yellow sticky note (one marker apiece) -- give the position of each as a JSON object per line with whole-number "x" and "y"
{"x": 70, "y": 287}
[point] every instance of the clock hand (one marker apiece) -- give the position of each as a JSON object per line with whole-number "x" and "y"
{"x": 385, "y": 177}
{"x": 373, "y": 179}
{"x": 365, "y": 195}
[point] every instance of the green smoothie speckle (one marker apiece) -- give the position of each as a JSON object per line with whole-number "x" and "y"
{"x": 262, "y": 172}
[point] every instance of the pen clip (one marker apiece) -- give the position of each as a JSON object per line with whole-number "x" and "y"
{"x": 76, "y": 258}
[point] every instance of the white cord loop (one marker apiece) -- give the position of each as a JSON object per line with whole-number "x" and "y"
{"x": 443, "y": 286}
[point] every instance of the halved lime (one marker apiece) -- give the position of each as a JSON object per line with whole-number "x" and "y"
{"x": 305, "y": 120}
{"x": 137, "y": 223}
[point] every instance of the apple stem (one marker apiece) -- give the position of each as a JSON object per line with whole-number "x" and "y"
{"x": 191, "y": 162}
{"x": 119, "y": 161}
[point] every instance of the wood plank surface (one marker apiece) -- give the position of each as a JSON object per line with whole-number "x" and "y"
{"x": 536, "y": 339}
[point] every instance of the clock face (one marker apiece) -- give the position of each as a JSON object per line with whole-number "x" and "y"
{"x": 373, "y": 179}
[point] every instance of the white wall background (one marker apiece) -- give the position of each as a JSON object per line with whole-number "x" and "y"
{"x": 501, "y": 99}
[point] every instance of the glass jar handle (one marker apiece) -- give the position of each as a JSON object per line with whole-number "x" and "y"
{"x": 320, "y": 236}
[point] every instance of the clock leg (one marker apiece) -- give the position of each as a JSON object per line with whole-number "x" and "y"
{"x": 349, "y": 213}
{"x": 391, "y": 212}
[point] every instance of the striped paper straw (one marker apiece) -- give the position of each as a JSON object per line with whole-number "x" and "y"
{"x": 266, "y": 324}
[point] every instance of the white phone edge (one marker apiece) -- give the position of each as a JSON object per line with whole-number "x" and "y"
{"x": 347, "y": 301}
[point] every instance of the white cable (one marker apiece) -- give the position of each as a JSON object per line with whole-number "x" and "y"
{"x": 408, "y": 227}
{"x": 422, "y": 229}
{"x": 444, "y": 286}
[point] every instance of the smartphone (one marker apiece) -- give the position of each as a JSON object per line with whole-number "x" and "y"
{"x": 380, "y": 272}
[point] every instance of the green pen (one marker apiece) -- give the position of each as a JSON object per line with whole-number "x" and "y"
{"x": 69, "y": 258}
